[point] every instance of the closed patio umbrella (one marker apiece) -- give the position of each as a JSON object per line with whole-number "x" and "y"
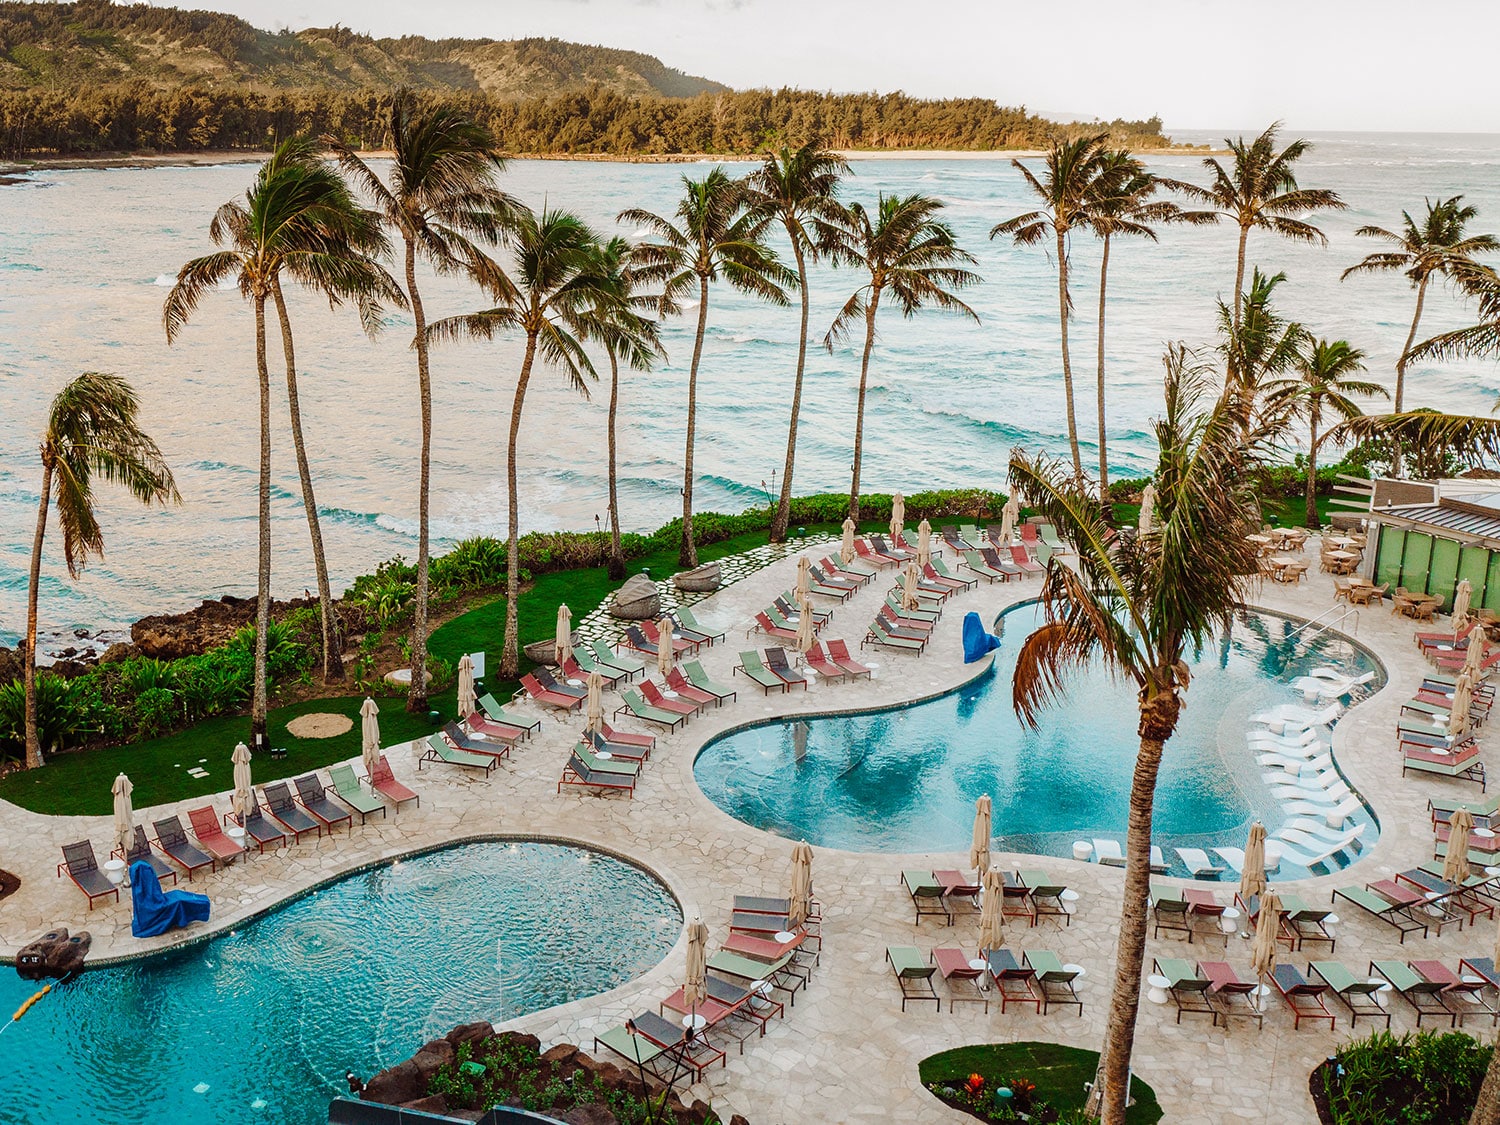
{"x": 240, "y": 802}
{"x": 979, "y": 849}
{"x": 695, "y": 979}
{"x": 1007, "y": 524}
{"x": 992, "y": 911}
{"x": 924, "y": 543}
{"x": 800, "y": 898}
{"x": 1461, "y": 599}
{"x": 909, "y": 599}
{"x": 846, "y": 549}
{"x": 562, "y": 648}
{"x": 804, "y": 576}
{"x": 898, "y": 516}
{"x": 595, "y": 705}
{"x": 1458, "y": 712}
{"x": 124, "y": 814}
{"x": 1456, "y": 862}
{"x": 1253, "y": 877}
{"x": 1148, "y": 509}
{"x": 1474, "y": 658}
{"x": 664, "y": 646}
{"x": 806, "y": 635}
{"x": 369, "y": 735}
{"x": 466, "y": 704}
{"x": 1263, "y": 948}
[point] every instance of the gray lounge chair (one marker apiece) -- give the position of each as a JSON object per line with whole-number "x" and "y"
{"x": 172, "y": 838}
{"x": 79, "y": 865}
{"x": 286, "y": 812}
{"x": 464, "y": 741}
{"x": 140, "y": 852}
{"x": 260, "y": 829}
{"x": 314, "y": 798}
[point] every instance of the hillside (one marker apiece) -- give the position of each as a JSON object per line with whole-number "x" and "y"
{"x": 94, "y": 42}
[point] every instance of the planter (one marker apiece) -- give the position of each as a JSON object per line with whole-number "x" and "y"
{"x": 545, "y": 652}
{"x": 636, "y": 600}
{"x": 700, "y": 580}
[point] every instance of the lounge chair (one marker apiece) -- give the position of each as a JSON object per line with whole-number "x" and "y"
{"x": 957, "y": 886}
{"x": 976, "y": 564}
{"x": 750, "y": 664}
{"x": 1483, "y": 968}
{"x": 545, "y": 677}
{"x": 626, "y": 663}
{"x": 1335, "y": 814}
{"x": 938, "y": 571}
{"x": 481, "y": 727}
{"x": 1302, "y": 923}
{"x": 1395, "y": 913}
{"x": 1236, "y": 997}
{"x": 693, "y": 629}
{"x": 682, "y": 705}
{"x": 764, "y": 624}
{"x": 1431, "y": 884}
{"x": 636, "y": 1050}
{"x": 1464, "y": 996}
{"x": 881, "y": 635}
{"x": 838, "y": 652}
{"x": 497, "y": 714}
{"x": 954, "y": 966}
{"x": 635, "y": 639}
{"x": 867, "y": 552}
{"x": 579, "y": 772}
{"x": 1188, "y": 989}
{"x": 950, "y": 535}
{"x": 1426, "y": 997}
{"x": 932, "y": 580}
{"x": 1054, "y": 979}
{"x": 627, "y": 738}
{"x": 817, "y": 659}
{"x": 1016, "y": 900}
{"x": 459, "y": 737}
{"x": 692, "y": 1053}
{"x": 1020, "y": 557}
{"x": 837, "y": 589}
{"x": 685, "y": 689}
{"x": 533, "y": 688}
{"x": 904, "y": 630}
{"x": 383, "y": 781}
{"x": 1046, "y": 895}
{"x": 140, "y": 852}
{"x": 913, "y": 974}
{"x": 778, "y": 665}
{"x": 919, "y": 618}
{"x": 733, "y": 1019}
{"x": 693, "y": 673}
{"x": 210, "y": 833}
{"x": 79, "y": 865}
{"x": 1016, "y": 982}
{"x": 1302, "y": 996}
{"x": 438, "y": 750}
{"x": 927, "y": 896}
{"x": 778, "y": 974}
{"x": 314, "y": 798}
{"x": 680, "y": 644}
{"x": 1198, "y": 863}
{"x": 172, "y": 838}
{"x": 257, "y": 826}
{"x": 638, "y": 708}
{"x": 287, "y": 813}
{"x": 786, "y": 610}
{"x": 1169, "y": 911}
{"x": 1108, "y": 853}
{"x": 848, "y": 571}
{"x": 347, "y": 786}
{"x": 581, "y": 665}
{"x": 1356, "y": 993}
{"x": 596, "y": 742}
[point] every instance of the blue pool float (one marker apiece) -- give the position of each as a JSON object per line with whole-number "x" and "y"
{"x": 977, "y": 643}
{"x": 154, "y": 911}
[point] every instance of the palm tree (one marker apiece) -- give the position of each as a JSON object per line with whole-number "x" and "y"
{"x": 560, "y": 294}
{"x": 1322, "y": 386}
{"x": 1259, "y": 346}
{"x": 1440, "y": 247}
{"x": 1069, "y": 178}
{"x": 296, "y": 217}
{"x": 1142, "y": 605}
{"x": 711, "y": 235}
{"x": 798, "y": 187}
{"x": 441, "y": 198}
{"x": 92, "y": 432}
{"x": 1259, "y": 191}
{"x": 907, "y": 250}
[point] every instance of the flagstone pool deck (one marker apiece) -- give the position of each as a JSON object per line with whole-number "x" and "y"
{"x": 845, "y": 1052}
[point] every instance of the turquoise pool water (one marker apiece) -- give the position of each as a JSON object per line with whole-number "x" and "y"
{"x": 906, "y": 780}
{"x": 261, "y": 1025}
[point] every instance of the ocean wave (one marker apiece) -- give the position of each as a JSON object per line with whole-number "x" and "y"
{"x": 165, "y": 280}
{"x": 26, "y": 266}
{"x": 733, "y": 487}
{"x": 347, "y": 516}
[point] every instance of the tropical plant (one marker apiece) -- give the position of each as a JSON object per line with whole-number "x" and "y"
{"x": 1324, "y": 380}
{"x": 1142, "y": 604}
{"x": 1067, "y": 187}
{"x": 93, "y": 434}
{"x": 710, "y": 236}
{"x": 55, "y": 714}
{"x": 441, "y": 199}
{"x": 798, "y": 188}
{"x": 1259, "y": 346}
{"x": 560, "y": 296}
{"x": 906, "y": 249}
{"x": 1259, "y": 191}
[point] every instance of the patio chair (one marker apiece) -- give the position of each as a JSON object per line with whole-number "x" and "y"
{"x": 1393, "y": 913}
{"x": 285, "y": 812}
{"x": 927, "y": 897}
{"x": 903, "y": 628}
{"x": 579, "y": 772}
{"x": 956, "y": 971}
{"x": 838, "y": 652}
{"x": 1046, "y": 895}
{"x": 495, "y": 713}
{"x": 1015, "y": 897}
{"x": 314, "y": 798}
{"x": 690, "y": 627}
{"x": 1236, "y": 997}
{"x": 140, "y": 852}
{"x": 172, "y": 838}
{"x": 1426, "y": 997}
{"x": 383, "y": 781}
{"x": 1013, "y": 980}
{"x": 1302, "y": 996}
{"x": 438, "y": 750}
{"x": 346, "y": 785}
{"x": 257, "y": 826}
{"x": 950, "y": 535}
{"x": 210, "y": 833}
{"x": 1356, "y": 993}
{"x": 1020, "y": 557}
{"x": 1054, "y": 979}
{"x": 1169, "y": 911}
{"x": 1187, "y": 989}
{"x": 778, "y": 665}
{"x": 79, "y": 865}
{"x": 638, "y": 708}
{"x": 824, "y": 587}
{"x": 914, "y": 974}
{"x": 1303, "y": 923}
{"x": 921, "y": 617}
{"x": 751, "y": 665}
{"x": 694, "y": 675}
{"x": 460, "y": 738}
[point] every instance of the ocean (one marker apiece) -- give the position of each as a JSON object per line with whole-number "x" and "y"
{"x": 86, "y": 257}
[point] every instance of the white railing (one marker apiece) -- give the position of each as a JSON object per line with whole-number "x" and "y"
{"x": 1327, "y": 621}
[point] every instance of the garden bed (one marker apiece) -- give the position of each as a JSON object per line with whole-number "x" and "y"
{"x": 1045, "y": 1080}
{"x": 1429, "y": 1077}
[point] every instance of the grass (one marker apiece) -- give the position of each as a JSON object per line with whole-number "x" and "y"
{"x": 1059, "y": 1073}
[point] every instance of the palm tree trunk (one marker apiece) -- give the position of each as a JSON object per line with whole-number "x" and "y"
{"x": 616, "y": 568}
{"x": 333, "y": 661}
{"x": 1487, "y": 1106}
{"x": 1239, "y": 277}
{"x": 1103, "y": 459}
{"x": 687, "y": 554}
{"x": 416, "y": 696}
{"x": 263, "y": 578}
{"x": 33, "y": 588}
{"x": 1062, "y": 316}
{"x": 510, "y": 658}
{"x": 859, "y": 410}
{"x": 784, "y": 505}
{"x": 1400, "y": 395}
{"x": 1312, "y": 468}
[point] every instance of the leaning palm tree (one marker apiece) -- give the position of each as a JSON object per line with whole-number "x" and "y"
{"x": 1259, "y": 346}
{"x": 798, "y": 187}
{"x": 1259, "y": 191}
{"x": 1324, "y": 379}
{"x": 92, "y": 434}
{"x": 1142, "y": 605}
{"x": 442, "y": 200}
{"x": 560, "y": 294}
{"x": 711, "y": 235}
{"x": 906, "y": 249}
{"x": 1067, "y": 185}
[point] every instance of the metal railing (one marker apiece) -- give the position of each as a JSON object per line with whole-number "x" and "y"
{"x": 1344, "y": 613}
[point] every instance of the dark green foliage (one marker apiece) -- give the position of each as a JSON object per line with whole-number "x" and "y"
{"x": 1055, "y": 1073}
{"x": 58, "y": 715}
{"x": 1429, "y": 1078}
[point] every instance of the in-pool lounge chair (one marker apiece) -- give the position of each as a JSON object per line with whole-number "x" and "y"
{"x": 1187, "y": 988}
{"x": 1394, "y": 913}
{"x": 257, "y": 826}
{"x": 495, "y": 713}
{"x": 210, "y": 833}
{"x": 838, "y": 652}
{"x": 751, "y": 665}
{"x": 140, "y": 852}
{"x": 287, "y": 813}
{"x": 625, "y": 751}
{"x": 346, "y": 785}
{"x": 580, "y": 772}
{"x": 533, "y": 688}
{"x": 692, "y": 673}
{"x": 1426, "y": 997}
{"x": 927, "y": 896}
{"x": 1108, "y": 853}
{"x": 1235, "y": 997}
{"x": 914, "y": 974}
{"x": 383, "y": 781}
{"x": 1198, "y": 864}
{"x": 1356, "y": 993}
{"x": 172, "y": 839}
{"x": 79, "y": 865}
{"x": 1015, "y": 981}
{"x": 314, "y": 798}
{"x": 1302, "y": 996}
{"x": 965, "y": 982}
{"x": 693, "y": 629}
{"x": 1054, "y": 979}
{"x": 438, "y": 750}
{"x": 638, "y": 708}
{"x": 461, "y": 738}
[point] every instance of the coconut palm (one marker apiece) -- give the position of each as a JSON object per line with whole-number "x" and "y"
{"x": 1066, "y": 188}
{"x": 1259, "y": 346}
{"x": 798, "y": 188}
{"x": 906, "y": 249}
{"x": 1324, "y": 380}
{"x": 443, "y": 202}
{"x": 711, "y": 235}
{"x": 560, "y": 293}
{"x": 1259, "y": 191}
{"x": 92, "y": 434}
{"x": 1141, "y": 605}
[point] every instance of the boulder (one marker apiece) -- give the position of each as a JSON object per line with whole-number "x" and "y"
{"x": 396, "y": 1085}
{"x": 54, "y": 954}
{"x": 432, "y": 1058}
{"x": 589, "y": 1115}
{"x": 432, "y": 1103}
{"x": 636, "y": 600}
{"x": 11, "y": 667}
{"x": 704, "y": 579}
{"x": 607, "y": 1073}
{"x": 470, "y": 1033}
{"x": 738, "y": 1120}
{"x": 521, "y": 1041}
{"x": 117, "y": 652}
{"x": 699, "y": 1112}
{"x": 560, "y": 1056}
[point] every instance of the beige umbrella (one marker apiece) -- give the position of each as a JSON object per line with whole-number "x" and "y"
{"x": 846, "y": 550}
{"x": 898, "y": 516}
{"x": 664, "y": 647}
{"x": 595, "y": 703}
{"x": 242, "y": 781}
{"x": 1456, "y": 862}
{"x": 1253, "y": 877}
{"x": 924, "y": 544}
{"x": 992, "y": 911}
{"x": 1474, "y": 658}
{"x": 1148, "y": 509}
{"x": 1458, "y": 710}
{"x": 124, "y": 814}
{"x": 1007, "y": 524}
{"x": 800, "y": 899}
{"x": 806, "y": 635}
{"x": 1461, "y": 599}
{"x": 695, "y": 980}
{"x": 466, "y": 702}
{"x": 369, "y": 735}
{"x": 804, "y": 576}
{"x": 909, "y": 598}
{"x": 562, "y": 647}
{"x": 979, "y": 849}
{"x": 1263, "y": 948}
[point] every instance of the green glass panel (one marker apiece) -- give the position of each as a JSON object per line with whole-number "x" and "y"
{"x": 1491, "y": 585}
{"x": 1442, "y": 571}
{"x": 1388, "y": 556}
{"x": 1474, "y": 564}
{"x": 1416, "y": 554}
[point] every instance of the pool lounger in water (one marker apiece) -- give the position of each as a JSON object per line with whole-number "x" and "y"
{"x": 1198, "y": 863}
{"x": 1235, "y": 858}
{"x": 1109, "y": 854}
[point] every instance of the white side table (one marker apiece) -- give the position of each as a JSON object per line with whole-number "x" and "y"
{"x": 694, "y": 1022}
{"x": 1229, "y": 921}
{"x": 114, "y": 870}
{"x": 1159, "y": 985}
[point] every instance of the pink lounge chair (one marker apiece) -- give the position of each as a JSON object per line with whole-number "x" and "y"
{"x": 816, "y": 659}
{"x": 384, "y": 782}
{"x": 211, "y": 835}
{"x": 933, "y": 580}
{"x": 680, "y": 644}
{"x": 954, "y": 966}
{"x": 764, "y": 623}
{"x": 864, "y": 550}
{"x": 532, "y": 687}
{"x": 834, "y": 569}
{"x": 500, "y": 732}
{"x": 838, "y": 652}
{"x": 680, "y": 706}
{"x": 679, "y": 683}
{"x": 626, "y": 738}
{"x": 1020, "y": 558}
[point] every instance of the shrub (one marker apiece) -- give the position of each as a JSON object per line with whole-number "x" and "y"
{"x": 472, "y": 564}
{"x": 1386, "y": 1079}
{"x": 57, "y": 714}
{"x": 384, "y": 594}
{"x": 156, "y": 710}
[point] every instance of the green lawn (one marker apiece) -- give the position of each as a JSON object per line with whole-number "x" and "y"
{"x": 1059, "y": 1073}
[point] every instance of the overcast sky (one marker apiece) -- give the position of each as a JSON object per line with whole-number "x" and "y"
{"x": 1200, "y": 64}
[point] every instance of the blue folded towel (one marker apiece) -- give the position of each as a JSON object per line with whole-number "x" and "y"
{"x": 154, "y": 911}
{"x": 977, "y": 642}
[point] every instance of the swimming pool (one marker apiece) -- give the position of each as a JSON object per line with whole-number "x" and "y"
{"x": 906, "y": 779}
{"x": 263, "y": 1023}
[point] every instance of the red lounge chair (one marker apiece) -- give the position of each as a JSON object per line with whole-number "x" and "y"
{"x": 834, "y": 569}
{"x": 954, "y": 966}
{"x": 864, "y": 550}
{"x": 679, "y": 706}
{"x": 206, "y": 827}
{"x": 679, "y": 644}
{"x": 1020, "y": 558}
{"x": 575, "y": 671}
{"x": 895, "y": 619}
{"x": 838, "y": 651}
{"x": 679, "y": 683}
{"x": 934, "y": 580}
{"x": 818, "y": 661}
{"x": 602, "y": 745}
{"x": 1454, "y": 661}
{"x": 957, "y": 885}
{"x": 1470, "y": 996}
{"x": 1225, "y": 983}
{"x": 768, "y": 950}
{"x": 530, "y": 686}
{"x": 764, "y": 623}
{"x": 1028, "y": 534}
{"x": 625, "y": 738}
{"x": 500, "y": 732}
{"x": 384, "y": 782}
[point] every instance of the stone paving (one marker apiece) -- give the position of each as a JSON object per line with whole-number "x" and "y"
{"x": 845, "y": 1052}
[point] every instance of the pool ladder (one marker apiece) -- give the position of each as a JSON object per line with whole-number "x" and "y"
{"x": 1344, "y": 613}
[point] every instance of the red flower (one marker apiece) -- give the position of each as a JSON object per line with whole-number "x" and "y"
{"x": 975, "y": 1083}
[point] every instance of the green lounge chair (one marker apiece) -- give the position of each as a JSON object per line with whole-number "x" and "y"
{"x": 975, "y": 562}
{"x": 1357, "y": 994}
{"x": 347, "y": 786}
{"x": 634, "y": 1049}
{"x": 1056, "y": 980}
{"x": 1169, "y": 911}
{"x": 879, "y": 635}
{"x": 778, "y": 974}
{"x": 1304, "y": 923}
{"x": 690, "y": 622}
{"x": 596, "y": 761}
{"x": 1046, "y": 896}
{"x": 914, "y": 974}
{"x": 628, "y": 664}
{"x": 578, "y": 772}
{"x": 923, "y": 612}
{"x": 1424, "y": 996}
{"x": 751, "y": 664}
{"x": 940, "y": 568}
{"x": 498, "y": 714}
{"x": 1188, "y": 990}
{"x": 1391, "y": 913}
{"x": 927, "y": 895}
{"x": 698, "y": 676}
{"x": 636, "y": 706}
{"x": 438, "y": 750}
